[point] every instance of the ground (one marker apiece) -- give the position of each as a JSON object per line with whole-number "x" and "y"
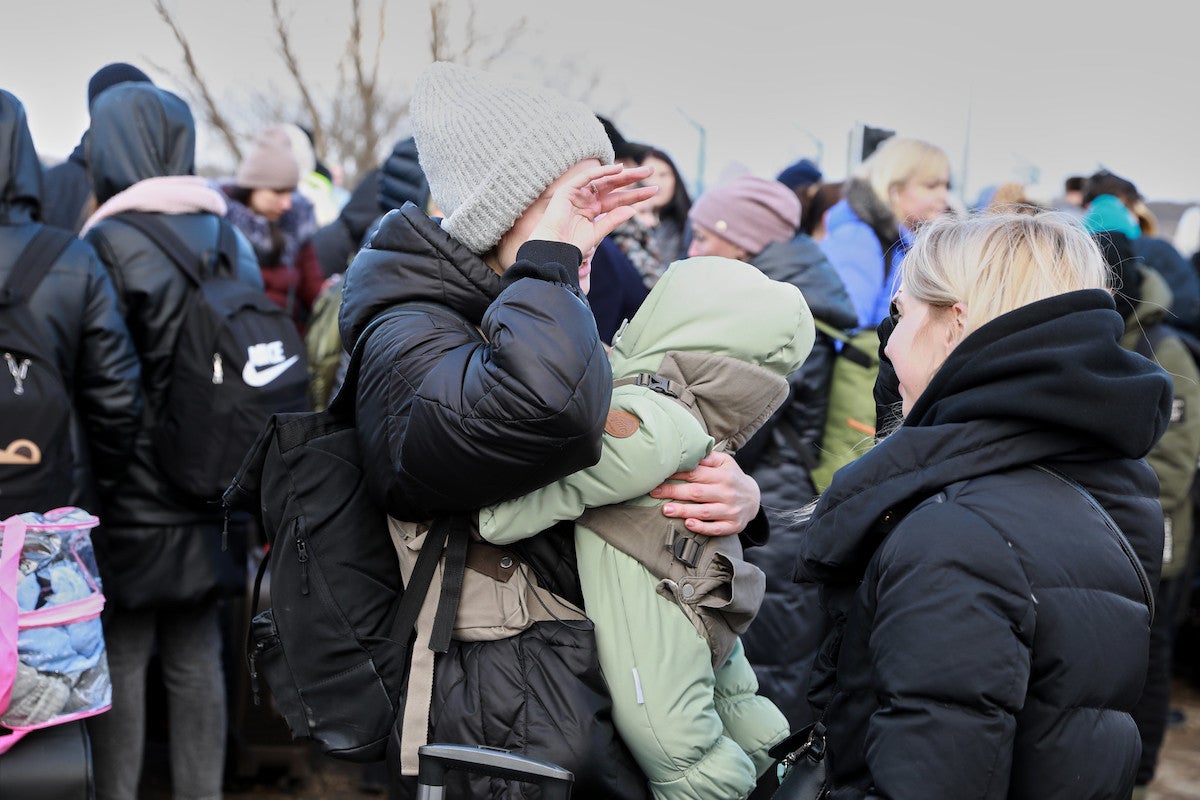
{"x": 1178, "y": 775}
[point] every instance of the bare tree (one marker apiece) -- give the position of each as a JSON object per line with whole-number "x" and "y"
{"x": 351, "y": 125}
{"x": 212, "y": 114}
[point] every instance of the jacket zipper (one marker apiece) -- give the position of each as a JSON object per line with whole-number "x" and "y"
{"x": 302, "y": 555}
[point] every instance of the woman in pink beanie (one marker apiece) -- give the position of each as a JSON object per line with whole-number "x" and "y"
{"x": 740, "y": 217}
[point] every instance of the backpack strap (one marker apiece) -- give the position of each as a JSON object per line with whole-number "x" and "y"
{"x": 34, "y": 263}
{"x": 154, "y": 228}
{"x": 847, "y": 350}
{"x": 1143, "y": 579}
{"x": 657, "y": 383}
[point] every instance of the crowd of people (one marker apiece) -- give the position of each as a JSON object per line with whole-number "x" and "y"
{"x": 984, "y": 603}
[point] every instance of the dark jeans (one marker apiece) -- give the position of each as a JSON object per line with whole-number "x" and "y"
{"x": 188, "y": 643}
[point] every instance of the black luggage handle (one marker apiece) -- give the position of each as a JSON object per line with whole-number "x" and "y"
{"x": 438, "y": 759}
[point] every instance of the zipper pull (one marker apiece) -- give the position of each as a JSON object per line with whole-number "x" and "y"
{"x": 302, "y": 554}
{"x": 218, "y": 372}
{"x": 252, "y": 660}
{"x": 18, "y": 372}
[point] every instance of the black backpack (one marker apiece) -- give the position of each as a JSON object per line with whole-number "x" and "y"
{"x": 238, "y": 359}
{"x": 334, "y": 645}
{"x": 35, "y": 406}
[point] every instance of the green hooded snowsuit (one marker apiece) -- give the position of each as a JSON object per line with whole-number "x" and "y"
{"x": 668, "y": 604}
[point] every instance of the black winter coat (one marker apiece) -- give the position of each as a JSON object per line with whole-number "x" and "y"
{"x": 991, "y": 634}
{"x": 785, "y": 635}
{"x": 448, "y": 423}
{"x": 76, "y": 307}
{"x": 67, "y": 191}
{"x": 151, "y": 289}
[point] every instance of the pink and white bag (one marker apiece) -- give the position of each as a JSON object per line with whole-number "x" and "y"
{"x": 53, "y": 665}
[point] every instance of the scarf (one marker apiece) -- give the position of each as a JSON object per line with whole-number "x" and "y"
{"x": 168, "y": 194}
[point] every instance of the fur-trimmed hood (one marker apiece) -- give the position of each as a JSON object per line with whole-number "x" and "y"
{"x": 872, "y": 210}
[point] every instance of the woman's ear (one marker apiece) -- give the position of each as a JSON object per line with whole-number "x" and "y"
{"x": 956, "y": 331}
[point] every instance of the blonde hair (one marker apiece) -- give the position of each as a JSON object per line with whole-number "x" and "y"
{"x": 900, "y": 160}
{"x": 995, "y": 263}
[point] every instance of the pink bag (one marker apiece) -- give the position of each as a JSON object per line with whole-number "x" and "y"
{"x": 10, "y": 560}
{"x": 53, "y": 667}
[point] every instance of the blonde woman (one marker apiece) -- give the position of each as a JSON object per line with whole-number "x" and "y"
{"x": 904, "y": 184}
{"x": 991, "y": 629}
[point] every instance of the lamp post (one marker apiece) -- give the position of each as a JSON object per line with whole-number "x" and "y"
{"x": 817, "y": 143}
{"x": 703, "y": 145}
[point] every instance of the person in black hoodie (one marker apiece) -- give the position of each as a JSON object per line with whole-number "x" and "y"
{"x": 69, "y": 199}
{"x": 990, "y": 626}
{"x": 160, "y": 552}
{"x": 449, "y": 423}
{"x": 76, "y": 307}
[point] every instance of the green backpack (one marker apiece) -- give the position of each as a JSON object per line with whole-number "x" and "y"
{"x": 850, "y": 421}
{"x": 323, "y": 342}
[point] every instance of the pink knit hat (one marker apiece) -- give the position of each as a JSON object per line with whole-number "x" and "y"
{"x": 748, "y": 211}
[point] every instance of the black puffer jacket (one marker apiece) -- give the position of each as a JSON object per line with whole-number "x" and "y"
{"x": 991, "y": 632}
{"x": 784, "y": 637}
{"x": 76, "y": 307}
{"x": 448, "y": 423}
{"x": 67, "y": 190}
{"x": 141, "y": 132}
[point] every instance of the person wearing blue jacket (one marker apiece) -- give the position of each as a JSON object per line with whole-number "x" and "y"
{"x": 902, "y": 185}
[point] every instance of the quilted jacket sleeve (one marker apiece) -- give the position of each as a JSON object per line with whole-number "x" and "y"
{"x": 462, "y": 422}
{"x": 108, "y": 381}
{"x": 857, "y": 256}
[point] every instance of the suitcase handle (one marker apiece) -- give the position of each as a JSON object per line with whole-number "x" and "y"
{"x": 438, "y": 759}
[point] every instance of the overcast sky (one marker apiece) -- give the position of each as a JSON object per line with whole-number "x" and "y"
{"x": 1009, "y": 89}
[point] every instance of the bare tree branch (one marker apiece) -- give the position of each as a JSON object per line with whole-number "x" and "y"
{"x": 283, "y": 31}
{"x": 211, "y": 113}
{"x": 351, "y": 123}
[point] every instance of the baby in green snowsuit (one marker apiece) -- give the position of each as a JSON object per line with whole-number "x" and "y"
{"x": 713, "y": 343}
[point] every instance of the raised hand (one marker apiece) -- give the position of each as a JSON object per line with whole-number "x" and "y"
{"x": 588, "y": 208}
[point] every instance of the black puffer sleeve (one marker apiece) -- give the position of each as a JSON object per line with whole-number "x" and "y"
{"x": 108, "y": 382}
{"x": 451, "y": 422}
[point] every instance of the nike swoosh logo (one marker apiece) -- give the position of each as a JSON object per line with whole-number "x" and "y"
{"x": 261, "y": 377}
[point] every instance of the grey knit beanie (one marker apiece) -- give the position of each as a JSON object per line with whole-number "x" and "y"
{"x": 270, "y": 164}
{"x": 490, "y": 147}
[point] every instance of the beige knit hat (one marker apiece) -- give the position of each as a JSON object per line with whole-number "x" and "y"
{"x": 490, "y": 147}
{"x": 270, "y": 164}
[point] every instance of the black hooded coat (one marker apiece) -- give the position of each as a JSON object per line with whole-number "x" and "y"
{"x": 76, "y": 307}
{"x": 990, "y": 633}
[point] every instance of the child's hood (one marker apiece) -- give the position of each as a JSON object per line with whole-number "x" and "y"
{"x": 719, "y": 306}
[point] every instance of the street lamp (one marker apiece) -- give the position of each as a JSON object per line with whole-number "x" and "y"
{"x": 703, "y": 133}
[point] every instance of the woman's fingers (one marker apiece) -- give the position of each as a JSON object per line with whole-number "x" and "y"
{"x": 607, "y": 223}
{"x": 620, "y": 179}
{"x": 597, "y": 173}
